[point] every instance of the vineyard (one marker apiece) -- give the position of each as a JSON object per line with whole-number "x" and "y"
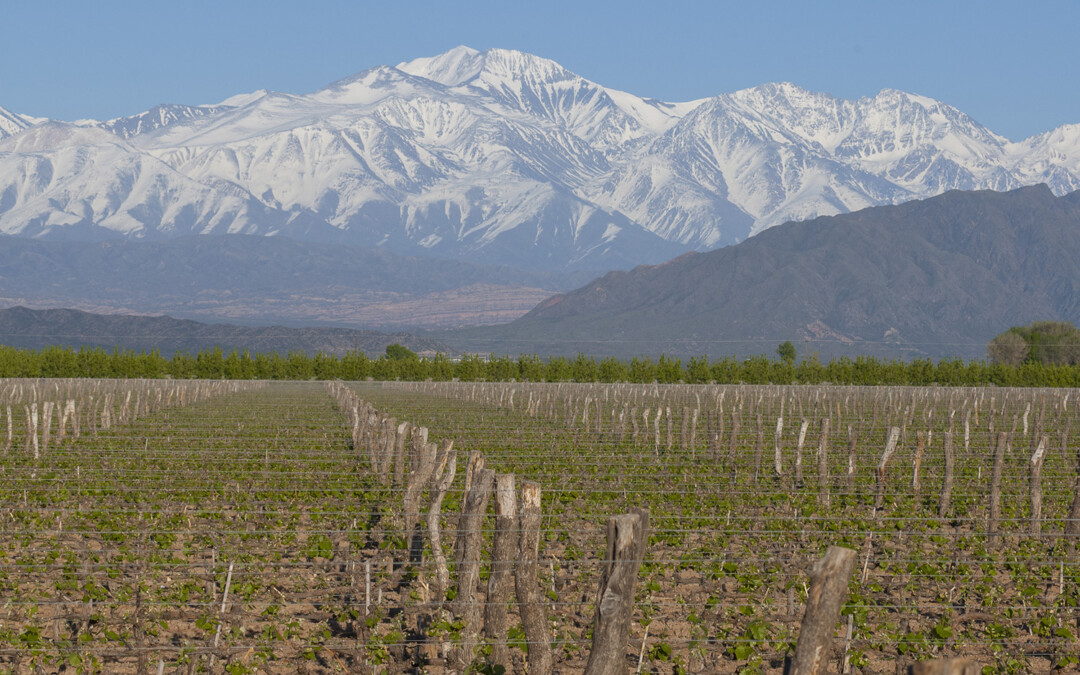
{"x": 186, "y": 526}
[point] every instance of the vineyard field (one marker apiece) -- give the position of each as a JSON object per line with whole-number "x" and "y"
{"x": 157, "y": 526}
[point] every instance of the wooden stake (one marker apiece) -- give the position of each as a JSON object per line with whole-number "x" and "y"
{"x": 828, "y": 588}
{"x": 882, "y": 467}
{"x": 527, "y": 584}
{"x": 947, "y": 483}
{"x": 778, "y": 457}
{"x": 916, "y": 463}
{"x": 1035, "y": 483}
{"x": 444, "y": 477}
{"x": 466, "y": 605}
{"x": 995, "y": 486}
{"x": 852, "y": 459}
{"x": 502, "y": 564}
{"x": 823, "y": 463}
{"x": 798, "y": 452}
{"x": 627, "y": 537}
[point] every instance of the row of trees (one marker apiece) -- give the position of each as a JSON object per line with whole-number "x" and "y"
{"x": 401, "y": 364}
{"x": 1047, "y": 342}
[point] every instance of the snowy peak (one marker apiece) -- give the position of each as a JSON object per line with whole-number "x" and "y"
{"x": 524, "y": 83}
{"x": 373, "y": 85}
{"x": 53, "y": 136}
{"x": 159, "y": 117}
{"x": 11, "y": 123}
{"x": 451, "y": 69}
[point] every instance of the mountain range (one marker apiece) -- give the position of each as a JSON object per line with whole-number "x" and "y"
{"x": 929, "y": 278}
{"x": 504, "y": 158}
{"x": 38, "y": 329}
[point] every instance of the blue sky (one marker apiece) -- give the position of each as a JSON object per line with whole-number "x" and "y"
{"x": 1013, "y": 66}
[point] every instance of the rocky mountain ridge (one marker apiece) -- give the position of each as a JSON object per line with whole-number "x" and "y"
{"x": 503, "y": 157}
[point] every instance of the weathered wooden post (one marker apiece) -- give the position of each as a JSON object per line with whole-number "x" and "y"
{"x": 1035, "y": 483}
{"x": 778, "y": 454}
{"x": 418, "y": 479}
{"x": 916, "y": 463}
{"x": 46, "y": 425}
{"x": 444, "y": 477}
{"x": 466, "y": 606}
{"x": 947, "y": 483}
{"x": 823, "y": 462}
{"x": 733, "y": 442}
{"x": 10, "y": 431}
{"x": 759, "y": 447}
{"x": 627, "y": 537}
{"x": 995, "y": 486}
{"x": 502, "y": 564}
{"x": 883, "y": 465}
{"x": 527, "y": 586}
{"x": 852, "y": 458}
{"x": 402, "y": 435}
{"x": 32, "y": 429}
{"x": 828, "y": 589}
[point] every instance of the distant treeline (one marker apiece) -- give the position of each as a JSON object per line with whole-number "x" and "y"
{"x": 401, "y": 364}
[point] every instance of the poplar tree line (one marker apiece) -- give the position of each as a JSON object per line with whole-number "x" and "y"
{"x": 401, "y": 364}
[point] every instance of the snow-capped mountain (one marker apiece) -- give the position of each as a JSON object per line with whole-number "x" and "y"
{"x": 11, "y": 124}
{"x": 502, "y": 156}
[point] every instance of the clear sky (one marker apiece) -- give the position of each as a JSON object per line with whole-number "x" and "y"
{"x": 1014, "y": 66}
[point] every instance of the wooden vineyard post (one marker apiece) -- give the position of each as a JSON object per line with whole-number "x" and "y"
{"x": 684, "y": 433}
{"x": 947, "y": 483}
{"x": 46, "y": 425}
{"x": 418, "y": 479}
{"x": 798, "y": 453}
{"x": 778, "y": 455}
{"x": 882, "y": 467}
{"x": 670, "y": 430}
{"x": 466, "y": 606}
{"x": 1035, "y": 483}
{"x": 527, "y": 586}
{"x": 733, "y": 442}
{"x": 444, "y": 477}
{"x": 10, "y": 431}
{"x": 823, "y": 463}
{"x": 1072, "y": 521}
{"x": 401, "y": 439}
{"x": 759, "y": 447}
{"x": 472, "y": 466}
{"x": 995, "y": 485}
{"x": 502, "y": 564}
{"x": 693, "y": 433}
{"x": 946, "y": 667}
{"x": 828, "y": 588}
{"x": 852, "y": 458}
{"x": 32, "y": 430}
{"x": 916, "y": 463}
{"x": 627, "y": 537}
{"x": 386, "y": 438}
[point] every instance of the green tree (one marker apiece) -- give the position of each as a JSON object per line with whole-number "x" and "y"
{"x": 786, "y": 352}
{"x": 400, "y": 353}
{"x": 1045, "y": 342}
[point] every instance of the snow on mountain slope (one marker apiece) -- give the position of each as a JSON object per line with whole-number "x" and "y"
{"x": 62, "y": 178}
{"x": 502, "y": 156}
{"x": 158, "y": 117}
{"x": 11, "y": 123}
{"x": 540, "y": 87}
{"x": 1052, "y": 158}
